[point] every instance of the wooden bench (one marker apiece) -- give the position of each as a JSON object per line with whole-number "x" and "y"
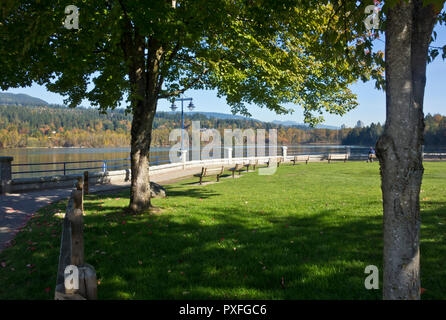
{"x": 300, "y": 158}
{"x": 206, "y": 172}
{"x": 239, "y": 167}
{"x": 338, "y": 156}
{"x": 251, "y": 163}
{"x": 278, "y": 160}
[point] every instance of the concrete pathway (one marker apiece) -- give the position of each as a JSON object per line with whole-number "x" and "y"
{"x": 17, "y": 209}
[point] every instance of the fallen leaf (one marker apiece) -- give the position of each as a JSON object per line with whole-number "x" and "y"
{"x": 140, "y": 262}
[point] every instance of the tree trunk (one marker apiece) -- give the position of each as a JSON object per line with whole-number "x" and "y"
{"x": 140, "y": 148}
{"x": 408, "y": 31}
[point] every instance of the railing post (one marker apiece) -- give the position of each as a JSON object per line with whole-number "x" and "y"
{"x": 104, "y": 166}
{"x": 5, "y": 174}
{"x": 64, "y": 169}
{"x": 229, "y": 154}
{"x": 183, "y": 158}
{"x": 284, "y": 152}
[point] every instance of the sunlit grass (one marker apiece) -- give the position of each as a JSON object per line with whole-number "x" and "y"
{"x": 306, "y": 232}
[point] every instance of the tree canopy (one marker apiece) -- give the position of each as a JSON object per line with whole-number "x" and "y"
{"x": 263, "y": 52}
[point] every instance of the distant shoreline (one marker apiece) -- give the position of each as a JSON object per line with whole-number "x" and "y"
{"x": 168, "y": 146}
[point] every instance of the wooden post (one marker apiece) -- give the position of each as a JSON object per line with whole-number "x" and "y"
{"x": 5, "y": 174}
{"x": 88, "y": 286}
{"x": 80, "y": 183}
{"x": 85, "y": 182}
{"x": 77, "y": 229}
{"x": 72, "y": 252}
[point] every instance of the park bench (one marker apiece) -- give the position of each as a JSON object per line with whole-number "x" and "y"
{"x": 239, "y": 167}
{"x": 278, "y": 160}
{"x": 206, "y": 172}
{"x": 252, "y": 163}
{"x": 300, "y": 158}
{"x": 338, "y": 156}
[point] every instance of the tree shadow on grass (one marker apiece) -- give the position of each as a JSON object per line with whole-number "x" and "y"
{"x": 229, "y": 255}
{"x": 433, "y": 251}
{"x": 163, "y": 259}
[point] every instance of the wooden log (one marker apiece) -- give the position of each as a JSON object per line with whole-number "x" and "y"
{"x": 86, "y": 182}
{"x": 72, "y": 253}
{"x": 80, "y": 183}
{"x": 65, "y": 249}
{"x": 75, "y": 216}
{"x": 88, "y": 285}
{"x": 77, "y": 238}
{"x": 78, "y": 199}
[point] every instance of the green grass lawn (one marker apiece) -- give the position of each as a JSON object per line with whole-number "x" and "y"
{"x": 315, "y": 226}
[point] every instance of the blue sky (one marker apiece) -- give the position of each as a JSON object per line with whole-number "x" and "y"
{"x": 371, "y": 106}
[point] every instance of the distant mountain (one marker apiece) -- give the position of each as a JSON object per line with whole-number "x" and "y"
{"x": 303, "y": 125}
{"x": 20, "y": 99}
{"x": 26, "y": 100}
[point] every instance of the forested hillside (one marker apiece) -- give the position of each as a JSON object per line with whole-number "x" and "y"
{"x": 434, "y": 133}
{"x": 58, "y": 126}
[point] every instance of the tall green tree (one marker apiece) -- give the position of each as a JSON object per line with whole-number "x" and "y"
{"x": 408, "y": 28}
{"x": 264, "y": 52}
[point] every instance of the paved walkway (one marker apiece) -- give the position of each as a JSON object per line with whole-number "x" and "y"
{"x": 17, "y": 209}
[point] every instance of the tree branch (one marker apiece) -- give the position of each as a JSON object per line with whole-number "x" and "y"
{"x": 186, "y": 87}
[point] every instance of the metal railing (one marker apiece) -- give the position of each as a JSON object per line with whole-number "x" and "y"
{"x": 64, "y": 166}
{"x": 67, "y": 167}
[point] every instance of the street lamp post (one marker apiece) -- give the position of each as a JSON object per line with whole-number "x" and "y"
{"x": 190, "y": 107}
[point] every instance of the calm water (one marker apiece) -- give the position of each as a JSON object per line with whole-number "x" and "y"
{"x": 60, "y": 155}
{"x": 157, "y": 156}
